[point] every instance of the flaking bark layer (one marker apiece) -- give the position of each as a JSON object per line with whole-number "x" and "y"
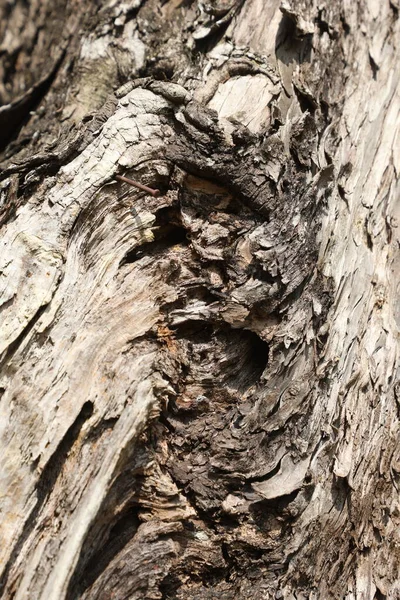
{"x": 199, "y": 392}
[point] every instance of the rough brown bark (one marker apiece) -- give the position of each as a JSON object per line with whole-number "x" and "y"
{"x": 199, "y": 392}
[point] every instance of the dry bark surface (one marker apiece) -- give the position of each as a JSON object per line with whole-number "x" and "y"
{"x": 199, "y": 392}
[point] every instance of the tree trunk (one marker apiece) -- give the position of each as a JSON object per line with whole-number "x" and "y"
{"x": 199, "y": 391}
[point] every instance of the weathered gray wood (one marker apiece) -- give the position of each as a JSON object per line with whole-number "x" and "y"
{"x": 199, "y": 392}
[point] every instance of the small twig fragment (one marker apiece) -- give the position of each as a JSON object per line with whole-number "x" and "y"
{"x": 140, "y": 186}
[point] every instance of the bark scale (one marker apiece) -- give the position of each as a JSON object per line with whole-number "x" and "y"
{"x": 199, "y": 391}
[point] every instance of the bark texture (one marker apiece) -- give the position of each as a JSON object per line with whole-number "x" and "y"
{"x": 200, "y": 393}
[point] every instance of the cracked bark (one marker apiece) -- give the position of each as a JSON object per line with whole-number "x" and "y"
{"x": 199, "y": 392}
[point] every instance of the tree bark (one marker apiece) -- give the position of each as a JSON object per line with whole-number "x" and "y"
{"x": 199, "y": 391}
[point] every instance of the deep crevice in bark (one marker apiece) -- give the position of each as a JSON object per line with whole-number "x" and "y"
{"x": 12, "y": 117}
{"x": 47, "y": 481}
